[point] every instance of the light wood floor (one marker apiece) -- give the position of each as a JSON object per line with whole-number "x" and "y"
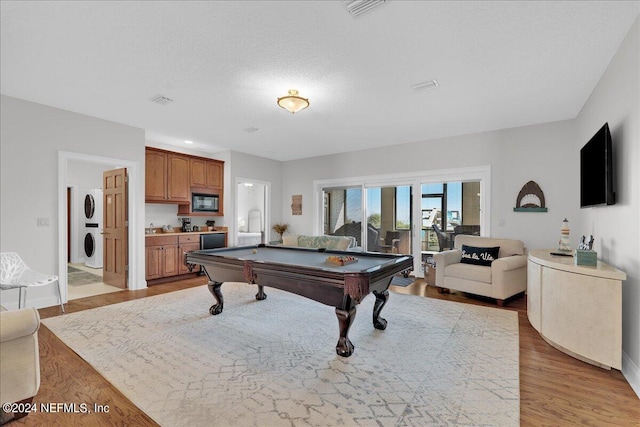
{"x": 555, "y": 389}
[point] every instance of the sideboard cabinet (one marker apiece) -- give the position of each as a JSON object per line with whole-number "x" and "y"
{"x": 576, "y": 308}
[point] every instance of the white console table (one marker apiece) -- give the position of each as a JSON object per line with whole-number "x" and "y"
{"x": 576, "y": 308}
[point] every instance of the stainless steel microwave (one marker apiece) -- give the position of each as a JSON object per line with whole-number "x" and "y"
{"x": 205, "y": 202}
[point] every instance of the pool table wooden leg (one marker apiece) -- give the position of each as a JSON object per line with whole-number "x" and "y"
{"x": 214, "y": 288}
{"x": 345, "y": 347}
{"x": 261, "y": 295}
{"x": 381, "y": 300}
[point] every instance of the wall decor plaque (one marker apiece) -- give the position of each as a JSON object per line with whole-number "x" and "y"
{"x": 296, "y": 205}
{"x": 530, "y": 199}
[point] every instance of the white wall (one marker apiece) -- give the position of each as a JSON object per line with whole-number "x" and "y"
{"x": 32, "y": 136}
{"x": 542, "y": 153}
{"x": 616, "y": 229}
{"x": 547, "y": 154}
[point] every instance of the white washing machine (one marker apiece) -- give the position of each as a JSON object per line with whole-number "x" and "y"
{"x": 93, "y": 228}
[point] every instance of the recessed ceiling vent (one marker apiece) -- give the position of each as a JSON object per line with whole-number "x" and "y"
{"x": 358, "y": 7}
{"x": 162, "y": 100}
{"x": 430, "y": 84}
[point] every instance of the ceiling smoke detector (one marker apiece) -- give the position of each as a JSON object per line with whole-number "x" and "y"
{"x": 162, "y": 100}
{"x": 358, "y": 7}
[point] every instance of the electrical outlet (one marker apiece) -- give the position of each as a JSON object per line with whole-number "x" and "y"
{"x": 43, "y": 222}
{"x": 501, "y": 223}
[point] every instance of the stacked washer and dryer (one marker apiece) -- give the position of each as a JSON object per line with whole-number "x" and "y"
{"x": 93, "y": 228}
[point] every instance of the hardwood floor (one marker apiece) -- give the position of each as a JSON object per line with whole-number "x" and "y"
{"x": 555, "y": 389}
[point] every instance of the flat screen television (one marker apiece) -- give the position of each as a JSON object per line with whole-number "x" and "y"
{"x": 596, "y": 170}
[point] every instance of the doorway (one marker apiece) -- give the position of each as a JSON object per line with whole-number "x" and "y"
{"x": 72, "y": 176}
{"x": 251, "y": 212}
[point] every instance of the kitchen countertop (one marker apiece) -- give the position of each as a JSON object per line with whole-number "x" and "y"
{"x": 178, "y": 233}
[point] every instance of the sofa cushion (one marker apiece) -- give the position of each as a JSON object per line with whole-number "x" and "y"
{"x": 479, "y": 256}
{"x": 508, "y": 247}
{"x": 290, "y": 240}
{"x": 340, "y": 243}
{"x": 475, "y": 273}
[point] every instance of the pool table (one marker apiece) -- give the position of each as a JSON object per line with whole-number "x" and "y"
{"x": 306, "y": 272}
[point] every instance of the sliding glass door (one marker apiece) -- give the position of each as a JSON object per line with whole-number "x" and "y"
{"x": 399, "y": 213}
{"x": 386, "y": 213}
{"x": 448, "y": 209}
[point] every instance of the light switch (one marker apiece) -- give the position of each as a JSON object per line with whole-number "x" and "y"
{"x": 43, "y": 222}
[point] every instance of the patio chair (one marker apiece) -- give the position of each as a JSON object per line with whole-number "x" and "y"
{"x": 14, "y": 273}
{"x": 444, "y": 240}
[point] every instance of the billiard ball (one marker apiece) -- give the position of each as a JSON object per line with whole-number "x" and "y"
{"x": 255, "y": 251}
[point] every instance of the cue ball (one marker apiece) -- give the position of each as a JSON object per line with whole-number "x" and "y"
{"x": 255, "y": 251}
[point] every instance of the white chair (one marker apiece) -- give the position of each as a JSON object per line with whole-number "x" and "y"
{"x": 14, "y": 273}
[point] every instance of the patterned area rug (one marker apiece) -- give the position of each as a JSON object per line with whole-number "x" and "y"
{"x": 273, "y": 362}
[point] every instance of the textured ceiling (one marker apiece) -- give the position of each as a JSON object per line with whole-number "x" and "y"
{"x": 498, "y": 64}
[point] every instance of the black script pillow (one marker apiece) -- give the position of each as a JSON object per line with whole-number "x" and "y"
{"x": 479, "y": 256}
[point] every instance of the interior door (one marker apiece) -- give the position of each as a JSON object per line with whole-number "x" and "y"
{"x": 115, "y": 231}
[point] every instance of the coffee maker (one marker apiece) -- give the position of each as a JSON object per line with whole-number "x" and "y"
{"x": 186, "y": 224}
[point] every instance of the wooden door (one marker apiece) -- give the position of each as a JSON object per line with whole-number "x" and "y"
{"x": 114, "y": 187}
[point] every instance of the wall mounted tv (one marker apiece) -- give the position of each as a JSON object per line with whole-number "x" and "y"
{"x": 596, "y": 170}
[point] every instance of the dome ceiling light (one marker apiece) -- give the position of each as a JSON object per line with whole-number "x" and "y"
{"x": 292, "y": 102}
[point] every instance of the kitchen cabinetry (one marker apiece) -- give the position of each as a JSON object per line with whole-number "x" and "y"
{"x": 186, "y": 243}
{"x": 165, "y": 255}
{"x": 161, "y": 255}
{"x": 206, "y": 173}
{"x": 166, "y": 177}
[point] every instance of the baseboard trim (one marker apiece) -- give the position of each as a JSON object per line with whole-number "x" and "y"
{"x": 631, "y": 372}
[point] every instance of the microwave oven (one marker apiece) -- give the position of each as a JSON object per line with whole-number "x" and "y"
{"x": 205, "y": 203}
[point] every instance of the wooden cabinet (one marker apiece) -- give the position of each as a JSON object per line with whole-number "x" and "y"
{"x": 162, "y": 258}
{"x": 206, "y": 173}
{"x": 178, "y": 178}
{"x": 576, "y": 308}
{"x": 166, "y": 177}
{"x": 187, "y": 243}
{"x": 155, "y": 188}
{"x": 165, "y": 255}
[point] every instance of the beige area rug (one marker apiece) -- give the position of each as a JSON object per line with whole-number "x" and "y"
{"x": 273, "y": 362}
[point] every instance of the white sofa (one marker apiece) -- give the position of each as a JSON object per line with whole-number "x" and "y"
{"x": 340, "y": 243}
{"x": 504, "y": 278}
{"x": 20, "y": 360}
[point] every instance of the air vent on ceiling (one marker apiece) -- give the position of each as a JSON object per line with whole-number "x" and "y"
{"x": 358, "y": 7}
{"x": 162, "y": 100}
{"x": 430, "y": 84}
{"x": 251, "y": 129}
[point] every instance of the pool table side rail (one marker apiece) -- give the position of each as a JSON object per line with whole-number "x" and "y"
{"x": 300, "y": 279}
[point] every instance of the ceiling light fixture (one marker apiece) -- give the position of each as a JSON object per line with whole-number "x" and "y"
{"x": 188, "y": 142}
{"x": 292, "y": 102}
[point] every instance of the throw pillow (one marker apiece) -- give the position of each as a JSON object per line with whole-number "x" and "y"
{"x": 479, "y": 256}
